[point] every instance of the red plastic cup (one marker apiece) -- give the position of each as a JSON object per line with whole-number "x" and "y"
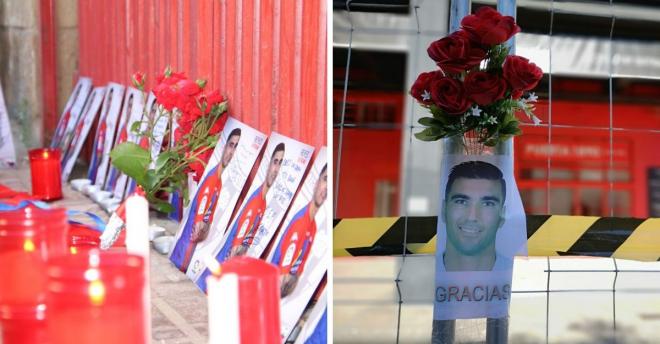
{"x": 46, "y": 173}
{"x": 96, "y": 297}
{"x": 28, "y": 238}
{"x": 259, "y": 299}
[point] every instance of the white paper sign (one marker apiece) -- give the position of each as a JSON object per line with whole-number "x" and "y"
{"x": 481, "y": 226}
{"x": 72, "y": 110}
{"x": 81, "y": 130}
{"x": 105, "y": 133}
{"x": 206, "y": 217}
{"x": 280, "y": 172}
{"x": 133, "y": 106}
{"x": 302, "y": 248}
{"x": 7, "y": 152}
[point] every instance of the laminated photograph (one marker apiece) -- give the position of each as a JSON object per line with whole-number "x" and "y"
{"x": 160, "y": 122}
{"x": 283, "y": 164}
{"x": 7, "y": 153}
{"x": 211, "y": 204}
{"x": 132, "y": 108}
{"x": 82, "y": 130}
{"x": 105, "y": 134}
{"x": 72, "y": 110}
{"x": 481, "y": 227}
{"x": 301, "y": 249}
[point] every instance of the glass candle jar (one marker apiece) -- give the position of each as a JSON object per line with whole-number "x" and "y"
{"x": 46, "y": 173}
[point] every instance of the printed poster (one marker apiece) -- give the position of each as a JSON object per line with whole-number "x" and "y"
{"x": 315, "y": 328}
{"x": 211, "y": 205}
{"x": 160, "y": 119}
{"x": 7, "y": 152}
{"x": 69, "y": 118}
{"x": 133, "y": 106}
{"x": 105, "y": 133}
{"x": 481, "y": 226}
{"x": 280, "y": 172}
{"x": 302, "y": 248}
{"x": 81, "y": 130}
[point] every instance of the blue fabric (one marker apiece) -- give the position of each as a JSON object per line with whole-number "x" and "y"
{"x": 320, "y": 334}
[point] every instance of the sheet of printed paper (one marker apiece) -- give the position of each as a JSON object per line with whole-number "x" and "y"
{"x": 315, "y": 327}
{"x": 280, "y": 172}
{"x": 7, "y": 152}
{"x": 302, "y": 248}
{"x": 131, "y": 112}
{"x": 83, "y": 127}
{"x": 211, "y": 205}
{"x": 481, "y": 226}
{"x": 71, "y": 112}
{"x": 160, "y": 120}
{"x": 105, "y": 133}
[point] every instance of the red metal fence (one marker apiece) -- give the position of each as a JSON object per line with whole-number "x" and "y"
{"x": 267, "y": 56}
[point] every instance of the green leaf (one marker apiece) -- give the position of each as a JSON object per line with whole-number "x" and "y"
{"x": 163, "y": 158}
{"x": 135, "y": 127}
{"x": 162, "y": 206}
{"x": 427, "y": 135}
{"x": 132, "y": 160}
{"x": 151, "y": 179}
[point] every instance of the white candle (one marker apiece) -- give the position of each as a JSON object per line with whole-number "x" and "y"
{"x": 224, "y": 326}
{"x": 137, "y": 242}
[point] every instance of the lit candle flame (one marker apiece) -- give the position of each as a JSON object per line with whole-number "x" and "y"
{"x": 73, "y": 250}
{"x": 96, "y": 292}
{"x": 28, "y": 245}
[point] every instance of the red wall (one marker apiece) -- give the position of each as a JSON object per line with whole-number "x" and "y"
{"x": 267, "y": 56}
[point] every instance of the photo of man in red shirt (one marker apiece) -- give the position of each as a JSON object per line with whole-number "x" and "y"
{"x": 97, "y": 154}
{"x": 200, "y": 215}
{"x": 293, "y": 249}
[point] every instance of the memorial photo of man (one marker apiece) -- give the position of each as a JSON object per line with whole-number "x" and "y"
{"x": 473, "y": 211}
{"x": 202, "y": 207}
{"x": 97, "y": 155}
{"x": 293, "y": 249}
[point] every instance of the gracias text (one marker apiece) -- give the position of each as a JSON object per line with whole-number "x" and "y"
{"x": 473, "y": 293}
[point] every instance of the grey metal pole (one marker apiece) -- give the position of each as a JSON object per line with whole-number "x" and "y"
{"x": 444, "y": 330}
{"x": 497, "y": 329}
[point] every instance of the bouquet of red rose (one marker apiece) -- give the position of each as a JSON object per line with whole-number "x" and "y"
{"x": 478, "y": 86}
{"x": 199, "y": 116}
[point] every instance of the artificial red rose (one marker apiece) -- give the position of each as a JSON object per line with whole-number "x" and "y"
{"x": 421, "y": 89}
{"x": 484, "y": 88}
{"x": 521, "y": 74}
{"x": 455, "y": 53}
{"x": 449, "y": 94}
{"x": 218, "y": 125}
{"x": 488, "y": 27}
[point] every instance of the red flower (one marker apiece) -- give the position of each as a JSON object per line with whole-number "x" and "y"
{"x": 455, "y": 53}
{"x": 421, "y": 89}
{"x": 218, "y": 125}
{"x": 209, "y": 99}
{"x": 449, "y": 94}
{"x": 488, "y": 27}
{"x": 196, "y": 165}
{"x": 484, "y": 88}
{"x": 521, "y": 74}
{"x": 188, "y": 87}
{"x": 171, "y": 78}
{"x": 138, "y": 80}
{"x": 165, "y": 96}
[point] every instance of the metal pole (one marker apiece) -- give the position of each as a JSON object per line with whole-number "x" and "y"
{"x": 444, "y": 330}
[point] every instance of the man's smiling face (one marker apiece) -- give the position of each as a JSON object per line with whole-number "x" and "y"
{"x": 473, "y": 211}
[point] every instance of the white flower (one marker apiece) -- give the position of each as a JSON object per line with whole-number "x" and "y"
{"x": 531, "y": 97}
{"x": 535, "y": 119}
{"x": 475, "y": 111}
{"x": 491, "y": 120}
{"x": 426, "y": 96}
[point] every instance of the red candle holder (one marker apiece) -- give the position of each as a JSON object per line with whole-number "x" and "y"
{"x": 259, "y": 299}
{"x": 46, "y": 173}
{"x": 96, "y": 297}
{"x": 28, "y": 238}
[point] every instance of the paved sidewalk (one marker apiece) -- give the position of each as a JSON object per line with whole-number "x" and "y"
{"x": 179, "y": 313}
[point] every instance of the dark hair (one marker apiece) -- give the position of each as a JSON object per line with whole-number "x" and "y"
{"x": 235, "y": 132}
{"x": 278, "y": 148}
{"x": 476, "y": 170}
{"x": 325, "y": 167}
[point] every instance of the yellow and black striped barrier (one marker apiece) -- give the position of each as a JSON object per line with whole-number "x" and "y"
{"x": 547, "y": 235}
